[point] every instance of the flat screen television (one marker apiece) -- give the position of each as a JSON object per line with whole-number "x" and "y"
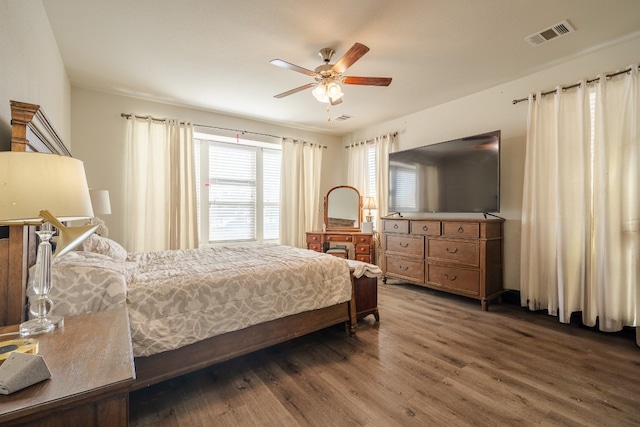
{"x": 458, "y": 176}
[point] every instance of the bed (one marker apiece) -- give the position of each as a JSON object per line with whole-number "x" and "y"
{"x": 155, "y": 362}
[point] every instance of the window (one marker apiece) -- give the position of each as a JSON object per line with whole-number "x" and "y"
{"x": 239, "y": 189}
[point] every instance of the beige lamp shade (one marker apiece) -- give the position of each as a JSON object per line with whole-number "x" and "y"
{"x": 369, "y": 203}
{"x": 32, "y": 182}
{"x": 100, "y": 202}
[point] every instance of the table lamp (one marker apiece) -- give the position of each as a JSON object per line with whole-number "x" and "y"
{"x": 369, "y": 203}
{"x": 101, "y": 206}
{"x": 33, "y": 185}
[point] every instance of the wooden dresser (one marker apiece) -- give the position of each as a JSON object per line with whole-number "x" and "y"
{"x": 460, "y": 256}
{"x": 363, "y": 243}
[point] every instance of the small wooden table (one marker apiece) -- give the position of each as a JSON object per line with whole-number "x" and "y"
{"x": 91, "y": 364}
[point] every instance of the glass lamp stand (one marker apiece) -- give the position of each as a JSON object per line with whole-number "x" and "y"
{"x": 40, "y": 305}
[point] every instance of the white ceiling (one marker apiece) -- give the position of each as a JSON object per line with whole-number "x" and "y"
{"x": 214, "y": 54}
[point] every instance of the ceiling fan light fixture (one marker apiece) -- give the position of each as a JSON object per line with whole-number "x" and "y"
{"x": 334, "y": 91}
{"x": 327, "y": 92}
{"x": 320, "y": 93}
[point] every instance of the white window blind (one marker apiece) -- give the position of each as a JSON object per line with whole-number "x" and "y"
{"x": 240, "y": 198}
{"x": 371, "y": 164}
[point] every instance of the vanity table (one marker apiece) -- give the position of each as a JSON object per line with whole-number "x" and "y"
{"x": 342, "y": 225}
{"x": 363, "y": 243}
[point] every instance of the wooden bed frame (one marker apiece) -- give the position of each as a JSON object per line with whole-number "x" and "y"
{"x": 31, "y": 131}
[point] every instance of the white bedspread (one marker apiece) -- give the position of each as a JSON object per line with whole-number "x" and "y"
{"x": 180, "y": 297}
{"x": 175, "y": 298}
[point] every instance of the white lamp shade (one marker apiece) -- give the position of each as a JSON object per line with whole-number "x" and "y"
{"x": 31, "y": 182}
{"x": 100, "y": 202}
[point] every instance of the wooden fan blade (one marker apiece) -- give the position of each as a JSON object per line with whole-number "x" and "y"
{"x": 371, "y": 81}
{"x": 292, "y": 91}
{"x": 293, "y": 67}
{"x": 356, "y": 52}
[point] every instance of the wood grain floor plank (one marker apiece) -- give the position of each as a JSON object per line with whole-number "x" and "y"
{"x": 434, "y": 359}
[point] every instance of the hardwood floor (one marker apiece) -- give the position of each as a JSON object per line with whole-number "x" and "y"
{"x": 434, "y": 359}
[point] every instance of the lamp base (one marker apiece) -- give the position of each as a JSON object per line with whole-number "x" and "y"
{"x": 41, "y": 326}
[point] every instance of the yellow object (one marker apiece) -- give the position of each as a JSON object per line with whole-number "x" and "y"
{"x": 28, "y": 345}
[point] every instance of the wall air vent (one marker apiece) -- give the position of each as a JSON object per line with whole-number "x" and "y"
{"x": 342, "y": 118}
{"x": 553, "y": 32}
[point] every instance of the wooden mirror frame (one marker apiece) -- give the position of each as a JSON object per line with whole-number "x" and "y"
{"x": 358, "y": 218}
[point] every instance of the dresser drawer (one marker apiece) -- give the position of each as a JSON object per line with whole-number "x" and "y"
{"x": 395, "y": 226}
{"x": 405, "y": 245}
{"x": 461, "y": 229}
{"x": 462, "y": 280}
{"x": 459, "y": 251}
{"x": 408, "y": 268}
{"x": 338, "y": 237}
{"x": 427, "y": 228}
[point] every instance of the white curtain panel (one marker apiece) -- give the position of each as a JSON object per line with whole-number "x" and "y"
{"x": 299, "y": 191}
{"x": 160, "y": 192}
{"x": 580, "y": 213}
{"x": 358, "y": 168}
{"x": 383, "y": 146}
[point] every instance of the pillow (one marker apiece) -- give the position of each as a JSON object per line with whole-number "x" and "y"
{"x": 104, "y": 246}
{"x": 84, "y": 282}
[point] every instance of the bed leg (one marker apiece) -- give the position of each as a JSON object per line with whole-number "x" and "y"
{"x": 352, "y": 325}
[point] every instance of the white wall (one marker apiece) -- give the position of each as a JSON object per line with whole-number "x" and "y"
{"x": 31, "y": 69}
{"x": 99, "y": 140}
{"x": 493, "y": 109}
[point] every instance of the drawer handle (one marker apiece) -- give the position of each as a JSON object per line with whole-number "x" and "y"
{"x": 452, "y": 251}
{"x": 425, "y": 228}
{"x": 403, "y": 268}
{"x": 404, "y": 245}
{"x": 395, "y": 226}
{"x": 460, "y": 229}
{"x": 452, "y": 278}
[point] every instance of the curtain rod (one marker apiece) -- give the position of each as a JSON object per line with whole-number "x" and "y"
{"x": 128, "y": 116}
{"x": 368, "y": 141}
{"x": 596, "y": 79}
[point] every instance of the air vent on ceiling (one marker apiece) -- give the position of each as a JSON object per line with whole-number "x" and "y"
{"x": 342, "y": 118}
{"x": 553, "y": 32}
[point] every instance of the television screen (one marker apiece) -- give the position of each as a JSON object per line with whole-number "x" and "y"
{"x": 462, "y": 175}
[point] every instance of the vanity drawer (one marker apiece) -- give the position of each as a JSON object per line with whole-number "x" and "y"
{"x": 461, "y": 229}
{"x": 461, "y": 280}
{"x": 395, "y": 226}
{"x": 364, "y": 258}
{"x": 460, "y": 251}
{"x": 427, "y": 228}
{"x": 407, "y": 268}
{"x": 405, "y": 245}
{"x": 315, "y": 247}
{"x": 363, "y": 249}
{"x": 314, "y": 238}
{"x": 338, "y": 237}
{"x": 366, "y": 240}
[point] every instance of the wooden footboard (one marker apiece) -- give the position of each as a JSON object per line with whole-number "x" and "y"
{"x": 163, "y": 366}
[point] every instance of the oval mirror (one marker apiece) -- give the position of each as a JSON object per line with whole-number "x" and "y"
{"x": 342, "y": 209}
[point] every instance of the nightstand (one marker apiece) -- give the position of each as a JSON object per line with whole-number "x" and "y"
{"x": 91, "y": 364}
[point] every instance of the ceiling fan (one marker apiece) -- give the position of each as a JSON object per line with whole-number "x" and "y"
{"x": 327, "y": 77}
